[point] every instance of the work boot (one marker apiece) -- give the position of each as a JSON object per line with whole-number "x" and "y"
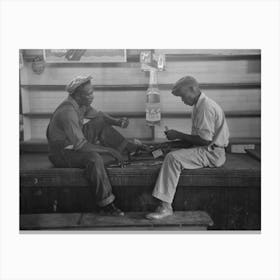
{"x": 160, "y": 213}
{"x": 112, "y": 210}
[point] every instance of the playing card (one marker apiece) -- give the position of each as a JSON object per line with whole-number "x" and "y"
{"x": 157, "y": 153}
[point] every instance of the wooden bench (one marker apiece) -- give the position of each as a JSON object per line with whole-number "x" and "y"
{"x": 37, "y": 171}
{"x": 190, "y": 220}
{"x": 230, "y": 194}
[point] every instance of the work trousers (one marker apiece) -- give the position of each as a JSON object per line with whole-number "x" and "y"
{"x": 96, "y": 131}
{"x": 178, "y": 160}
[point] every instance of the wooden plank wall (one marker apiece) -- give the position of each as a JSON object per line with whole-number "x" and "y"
{"x": 230, "y": 77}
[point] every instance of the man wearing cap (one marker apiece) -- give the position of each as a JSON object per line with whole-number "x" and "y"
{"x": 209, "y": 137}
{"x": 77, "y": 134}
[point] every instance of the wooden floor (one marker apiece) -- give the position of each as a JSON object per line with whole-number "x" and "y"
{"x": 190, "y": 220}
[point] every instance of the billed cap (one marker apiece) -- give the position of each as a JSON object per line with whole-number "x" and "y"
{"x": 185, "y": 81}
{"x": 76, "y": 82}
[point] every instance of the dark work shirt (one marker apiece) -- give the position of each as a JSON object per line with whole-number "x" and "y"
{"x": 65, "y": 127}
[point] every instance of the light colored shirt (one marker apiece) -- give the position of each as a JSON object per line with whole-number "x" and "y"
{"x": 66, "y": 124}
{"x": 207, "y": 118}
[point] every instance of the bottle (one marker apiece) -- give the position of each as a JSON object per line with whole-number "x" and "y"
{"x": 153, "y": 101}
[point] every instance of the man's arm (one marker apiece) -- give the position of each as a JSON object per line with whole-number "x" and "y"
{"x": 73, "y": 131}
{"x": 92, "y": 113}
{"x": 110, "y": 120}
{"x": 192, "y": 139}
{"x": 122, "y": 122}
{"x": 205, "y": 129}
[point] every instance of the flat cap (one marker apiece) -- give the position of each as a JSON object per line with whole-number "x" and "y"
{"x": 185, "y": 81}
{"x": 76, "y": 82}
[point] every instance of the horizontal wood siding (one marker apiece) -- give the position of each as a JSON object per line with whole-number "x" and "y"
{"x": 239, "y": 127}
{"x": 134, "y": 101}
{"x": 235, "y": 71}
{"x": 231, "y": 77}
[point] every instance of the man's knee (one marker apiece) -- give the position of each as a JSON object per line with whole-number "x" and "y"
{"x": 170, "y": 157}
{"x": 95, "y": 158}
{"x": 98, "y": 121}
{"x": 171, "y": 160}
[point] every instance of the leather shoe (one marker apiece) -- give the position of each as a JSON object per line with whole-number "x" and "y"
{"x": 160, "y": 213}
{"x": 112, "y": 210}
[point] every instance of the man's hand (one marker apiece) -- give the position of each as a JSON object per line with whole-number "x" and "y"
{"x": 123, "y": 122}
{"x": 172, "y": 134}
{"x": 116, "y": 154}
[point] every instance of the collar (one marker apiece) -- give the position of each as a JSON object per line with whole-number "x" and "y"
{"x": 200, "y": 99}
{"x": 73, "y": 102}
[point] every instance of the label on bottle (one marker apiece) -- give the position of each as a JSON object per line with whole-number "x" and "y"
{"x": 153, "y": 112}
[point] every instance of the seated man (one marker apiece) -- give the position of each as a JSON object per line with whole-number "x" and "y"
{"x": 77, "y": 134}
{"x": 209, "y": 137}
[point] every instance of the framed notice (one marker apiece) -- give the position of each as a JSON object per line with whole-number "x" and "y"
{"x": 84, "y": 55}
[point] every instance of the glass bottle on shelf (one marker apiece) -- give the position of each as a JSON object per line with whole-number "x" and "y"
{"x": 153, "y": 114}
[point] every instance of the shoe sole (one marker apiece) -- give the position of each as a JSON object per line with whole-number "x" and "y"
{"x": 158, "y": 218}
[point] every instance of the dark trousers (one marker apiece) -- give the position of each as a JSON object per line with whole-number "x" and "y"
{"x": 96, "y": 131}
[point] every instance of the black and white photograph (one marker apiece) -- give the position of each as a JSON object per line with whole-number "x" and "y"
{"x": 140, "y": 139}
